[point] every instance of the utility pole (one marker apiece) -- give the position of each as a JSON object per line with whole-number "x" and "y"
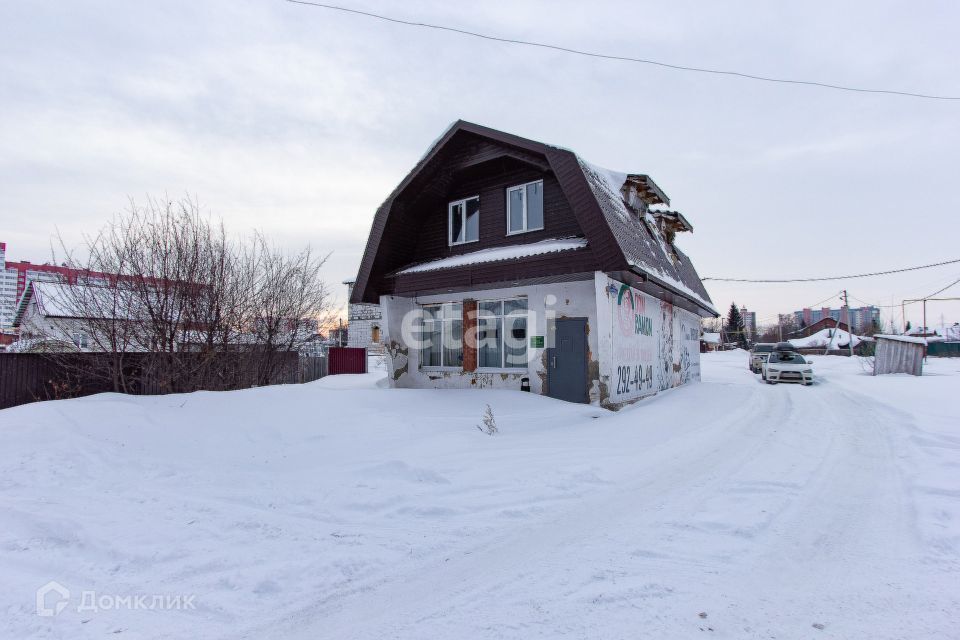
{"x": 924, "y": 316}
{"x": 846, "y": 303}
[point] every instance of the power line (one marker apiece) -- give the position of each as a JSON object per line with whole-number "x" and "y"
{"x": 605, "y": 56}
{"x": 870, "y": 304}
{"x": 907, "y": 301}
{"x": 806, "y": 306}
{"x": 824, "y": 279}
{"x": 939, "y": 291}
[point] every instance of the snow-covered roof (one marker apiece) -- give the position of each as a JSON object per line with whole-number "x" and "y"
{"x": 640, "y": 239}
{"x": 711, "y": 338}
{"x": 56, "y": 300}
{"x": 42, "y": 344}
{"x": 909, "y": 339}
{"x": 826, "y": 338}
{"x": 63, "y": 300}
{"x": 499, "y": 253}
{"x": 52, "y": 300}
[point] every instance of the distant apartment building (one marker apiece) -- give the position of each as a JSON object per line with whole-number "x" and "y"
{"x": 14, "y": 277}
{"x": 8, "y": 289}
{"x": 749, "y": 322}
{"x": 859, "y": 318}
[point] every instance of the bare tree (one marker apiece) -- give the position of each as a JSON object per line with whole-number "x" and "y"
{"x": 163, "y": 279}
{"x": 288, "y": 301}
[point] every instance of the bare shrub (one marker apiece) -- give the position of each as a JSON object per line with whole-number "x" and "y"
{"x": 489, "y": 424}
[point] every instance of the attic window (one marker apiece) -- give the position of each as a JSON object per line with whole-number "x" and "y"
{"x": 525, "y": 207}
{"x": 464, "y": 220}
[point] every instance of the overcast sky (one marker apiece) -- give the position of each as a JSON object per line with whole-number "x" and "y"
{"x": 299, "y": 121}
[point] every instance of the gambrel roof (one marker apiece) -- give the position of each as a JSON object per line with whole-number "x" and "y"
{"x": 622, "y": 237}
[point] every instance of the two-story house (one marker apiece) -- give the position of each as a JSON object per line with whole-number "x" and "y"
{"x": 501, "y": 262}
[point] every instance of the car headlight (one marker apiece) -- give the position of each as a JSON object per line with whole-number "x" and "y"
{"x": 773, "y": 369}
{"x": 808, "y": 370}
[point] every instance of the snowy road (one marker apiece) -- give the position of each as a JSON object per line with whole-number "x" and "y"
{"x": 729, "y": 508}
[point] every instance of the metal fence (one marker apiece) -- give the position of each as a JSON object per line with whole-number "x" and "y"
{"x": 944, "y": 349}
{"x": 30, "y": 377}
{"x": 347, "y": 360}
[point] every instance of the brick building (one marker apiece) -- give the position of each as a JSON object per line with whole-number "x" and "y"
{"x": 364, "y": 323}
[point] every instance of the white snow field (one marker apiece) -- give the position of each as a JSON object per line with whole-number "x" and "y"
{"x": 341, "y": 509}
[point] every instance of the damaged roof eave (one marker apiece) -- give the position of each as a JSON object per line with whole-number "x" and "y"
{"x": 660, "y": 282}
{"x": 655, "y": 195}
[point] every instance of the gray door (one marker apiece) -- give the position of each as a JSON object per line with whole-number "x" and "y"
{"x": 567, "y": 361}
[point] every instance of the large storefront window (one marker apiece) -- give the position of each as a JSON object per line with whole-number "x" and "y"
{"x": 442, "y": 335}
{"x": 502, "y": 334}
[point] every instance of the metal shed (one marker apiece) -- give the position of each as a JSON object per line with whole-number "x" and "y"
{"x": 899, "y": 354}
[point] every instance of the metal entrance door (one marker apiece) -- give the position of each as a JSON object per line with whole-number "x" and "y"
{"x": 567, "y": 361}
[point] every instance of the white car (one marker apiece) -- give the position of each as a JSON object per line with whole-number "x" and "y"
{"x": 787, "y": 366}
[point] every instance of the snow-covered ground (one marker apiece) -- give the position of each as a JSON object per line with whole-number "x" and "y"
{"x": 340, "y": 509}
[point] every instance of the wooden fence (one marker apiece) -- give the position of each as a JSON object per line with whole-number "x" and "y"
{"x": 29, "y": 377}
{"x": 312, "y": 368}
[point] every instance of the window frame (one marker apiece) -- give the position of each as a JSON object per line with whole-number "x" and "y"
{"x": 440, "y": 320}
{"x": 503, "y": 368}
{"x": 450, "y": 206}
{"x": 523, "y": 190}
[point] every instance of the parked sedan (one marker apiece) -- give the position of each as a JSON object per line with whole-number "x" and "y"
{"x": 758, "y": 355}
{"x": 787, "y": 366}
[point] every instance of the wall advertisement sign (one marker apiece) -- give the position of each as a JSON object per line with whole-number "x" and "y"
{"x": 656, "y": 346}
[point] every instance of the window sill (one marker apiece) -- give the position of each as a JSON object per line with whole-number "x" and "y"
{"x": 523, "y": 231}
{"x": 442, "y": 369}
{"x": 460, "y": 244}
{"x": 516, "y": 370}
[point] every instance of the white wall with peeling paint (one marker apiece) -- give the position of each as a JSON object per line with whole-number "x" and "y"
{"x": 544, "y": 303}
{"x": 653, "y": 345}
{"x": 637, "y": 344}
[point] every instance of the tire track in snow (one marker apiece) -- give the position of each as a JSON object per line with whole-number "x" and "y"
{"x": 663, "y": 484}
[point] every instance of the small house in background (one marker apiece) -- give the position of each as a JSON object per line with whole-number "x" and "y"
{"x": 364, "y": 323}
{"x": 50, "y": 311}
{"x": 899, "y": 354}
{"x": 821, "y": 324}
{"x": 709, "y": 341}
{"x": 501, "y": 262}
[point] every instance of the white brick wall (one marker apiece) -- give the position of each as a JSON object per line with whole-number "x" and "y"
{"x": 365, "y": 325}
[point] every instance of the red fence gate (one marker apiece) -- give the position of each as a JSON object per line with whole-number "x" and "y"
{"x": 347, "y": 360}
